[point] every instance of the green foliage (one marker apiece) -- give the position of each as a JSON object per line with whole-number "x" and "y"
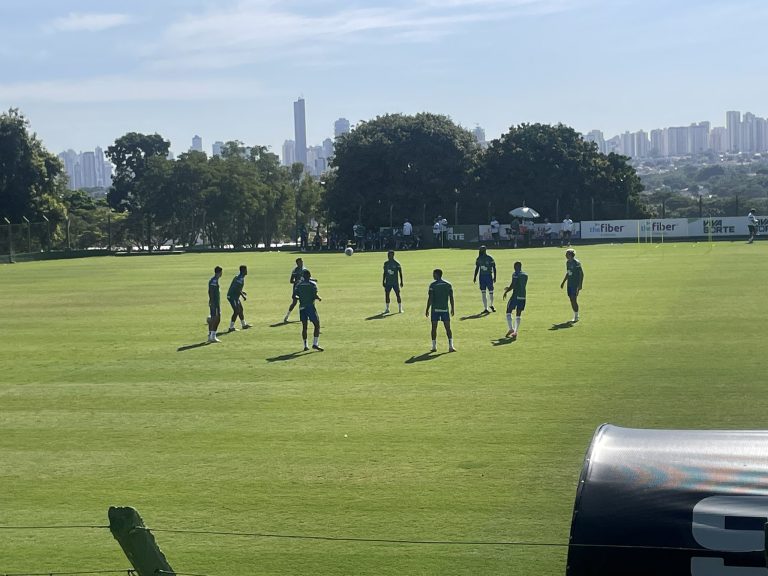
{"x": 552, "y": 168}
{"x": 31, "y": 178}
{"x": 417, "y": 164}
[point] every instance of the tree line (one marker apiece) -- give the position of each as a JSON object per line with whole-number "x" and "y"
{"x": 385, "y": 170}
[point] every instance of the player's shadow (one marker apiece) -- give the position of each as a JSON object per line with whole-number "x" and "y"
{"x": 278, "y": 324}
{"x": 378, "y": 316}
{"x": 475, "y": 316}
{"x": 286, "y": 357}
{"x": 192, "y": 346}
{"x": 562, "y": 326}
{"x": 424, "y": 357}
{"x": 503, "y": 341}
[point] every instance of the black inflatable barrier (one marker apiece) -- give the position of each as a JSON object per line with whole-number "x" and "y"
{"x": 671, "y": 502}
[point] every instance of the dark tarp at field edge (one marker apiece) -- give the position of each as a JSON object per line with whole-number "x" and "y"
{"x": 669, "y": 502}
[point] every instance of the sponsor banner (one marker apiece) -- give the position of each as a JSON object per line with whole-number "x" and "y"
{"x": 669, "y": 227}
{"x": 671, "y": 502}
{"x": 725, "y": 226}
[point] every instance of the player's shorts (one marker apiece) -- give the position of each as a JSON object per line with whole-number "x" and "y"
{"x": 214, "y": 310}
{"x": 440, "y": 316}
{"x": 309, "y": 313}
{"x": 395, "y": 287}
{"x": 486, "y": 283}
{"x": 572, "y": 290}
{"x": 515, "y": 304}
{"x": 752, "y": 229}
{"x": 235, "y": 303}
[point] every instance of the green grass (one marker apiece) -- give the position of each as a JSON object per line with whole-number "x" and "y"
{"x": 98, "y": 407}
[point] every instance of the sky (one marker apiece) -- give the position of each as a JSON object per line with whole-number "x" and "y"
{"x": 85, "y": 72}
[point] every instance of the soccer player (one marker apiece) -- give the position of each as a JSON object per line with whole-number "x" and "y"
{"x": 234, "y": 294}
{"x": 305, "y": 292}
{"x": 752, "y": 225}
{"x": 486, "y": 267}
{"x": 214, "y": 305}
{"x": 574, "y": 275}
{"x": 392, "y": 270}
{"x": 566, "y": 230}
{"x": 517, "y": 301}
{"x": 440, "y": 294}
{"x": 296, "y": 276}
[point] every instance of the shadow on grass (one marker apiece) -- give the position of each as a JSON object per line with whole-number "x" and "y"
{"x": 475, "y": 316}
{"x": 286, "y": 357}
{"x": 562, "y": 325}
{"x": 378, "y": 316}
{"x": 286, "y": 323}
{"x": 503, "y": 341}
{"x": 424, "y": 357}
{"x": 192, "y": 346}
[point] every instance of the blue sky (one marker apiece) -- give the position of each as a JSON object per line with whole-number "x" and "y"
{"x": 86, "y": 72}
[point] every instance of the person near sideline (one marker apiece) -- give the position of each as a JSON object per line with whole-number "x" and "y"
{"x": 567, "y": 231}
{"x": 752, "y": 225}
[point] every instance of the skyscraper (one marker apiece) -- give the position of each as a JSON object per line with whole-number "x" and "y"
{"x": 300, "y": 131}
{"x": 216, "y": 148}
{"x": 197, "y": 143}
{"x": 341, "y": 126}
{"x": 733, "y": 125}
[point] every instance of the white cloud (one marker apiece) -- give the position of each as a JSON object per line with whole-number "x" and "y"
{"x": 77, "y": 22}
{"x": 253, "y": 30}
{"x": 128, "y": 89}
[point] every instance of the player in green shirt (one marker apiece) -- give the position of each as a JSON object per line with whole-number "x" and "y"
{"x": 517, "y": 301}
{"x": 296, "y": 276}
{"x": 440, "y": 295}
{"x": 392, "y": 270}
{"x": 234, "y": 294}
{"x": 485, "y": 266}
{"x": 574, "y": 276}
{"x": 305, "y": 293}
{"x": 214, "y": 305}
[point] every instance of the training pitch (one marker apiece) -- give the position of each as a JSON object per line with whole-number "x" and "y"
{"x": 401, "y": 462}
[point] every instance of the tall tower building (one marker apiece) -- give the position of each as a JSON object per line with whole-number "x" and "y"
{"x": 88, "y": 165}
{"x": 733, "y": 125}
{"x": 341, "y": 126}
{"x": 197, "y": 143}
{"x": 300, "y": 130}
{"x": 217, "y": 147}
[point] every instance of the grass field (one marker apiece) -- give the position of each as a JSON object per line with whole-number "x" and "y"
{"x": 99, "y": 406}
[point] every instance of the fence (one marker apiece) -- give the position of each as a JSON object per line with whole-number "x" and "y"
{"x": 75, "y": 233}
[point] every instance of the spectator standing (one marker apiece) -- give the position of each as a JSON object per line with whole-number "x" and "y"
{"x": 566, "y": 231}
{"x": 752, "y": 225}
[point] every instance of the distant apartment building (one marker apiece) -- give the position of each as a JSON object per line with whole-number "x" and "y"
{"x": 479, "y": 135}
{"x": 341, "y": 126}
{"x": 289, "y": 153}
{"x": 197, "y": 144}
{"x": 216, "y": 148}
{"x": 733, "y": 126}
{"x": 86, "y": 169}
{"x": 597, "y": 137}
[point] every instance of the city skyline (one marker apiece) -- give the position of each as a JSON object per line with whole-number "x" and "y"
{"x": 86, "y": 74}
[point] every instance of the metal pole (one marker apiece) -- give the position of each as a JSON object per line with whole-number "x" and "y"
{"x": 48, "y": 233}
{"x": 109, "y": 231}
{"x": 391, "y": 221}
{"x": 593, "y": 207}
{"x": 557, "y": 210}
{"x": 69, "y": 244}
{"x": 29, "y": 235}
{"x": 10, "y": 241}
{"x": 456, "y": 214}
{"x": 700, "y": 206}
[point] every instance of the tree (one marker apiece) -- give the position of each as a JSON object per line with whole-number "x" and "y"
{"x": 554, "y": 170}
{"x": 139, "y": 163}
{"x": 31, "y": 178}
{"x": 412, "y": 164}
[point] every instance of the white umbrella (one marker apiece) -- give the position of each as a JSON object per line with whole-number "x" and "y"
{"x": 524, "y": 212}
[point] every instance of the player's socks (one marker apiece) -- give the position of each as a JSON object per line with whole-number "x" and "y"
{"x": 231, "y": 326}
{"x": 517, "y": 323}
{"x": 400, "y": 308}
{"x": 509, "y": 322}
{"x": 490, "y": 293}
{"x": 305, "y": 345}
{"x": 244, "y": 324}
{"x": 386, "y": 309}
{"x": 450, "y": 345}
{"x": 286, "y": 316}
{"x": 434, "y": 345}
{"x": 315, "y": 341}
{"x": 575, "y": 316}
{"x": 485, "y": 300}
